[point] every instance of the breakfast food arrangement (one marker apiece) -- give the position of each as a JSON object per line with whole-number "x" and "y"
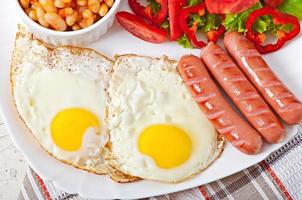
{"x": 141, "y": 119}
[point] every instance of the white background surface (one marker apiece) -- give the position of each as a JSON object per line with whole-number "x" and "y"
{"x": 286, "y": 63}
{"x": 12, "y": 164}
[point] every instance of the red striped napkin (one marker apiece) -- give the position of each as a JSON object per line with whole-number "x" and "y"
{"x": 277, "y": 177}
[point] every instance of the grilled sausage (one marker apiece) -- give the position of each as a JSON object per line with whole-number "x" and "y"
{"x": 217, "y": 110}
{"x": 243, "y": 93}
{"x": 285, "y": 104}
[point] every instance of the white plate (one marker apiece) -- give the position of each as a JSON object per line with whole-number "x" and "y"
{"x": 286, "y": 63}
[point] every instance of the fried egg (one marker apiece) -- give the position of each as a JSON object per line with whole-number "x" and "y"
{"x": 61, "y": 96}
{"x": 157, "y": 131}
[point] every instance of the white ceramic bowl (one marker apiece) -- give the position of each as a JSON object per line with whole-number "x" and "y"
{"x": 73, "y": 38}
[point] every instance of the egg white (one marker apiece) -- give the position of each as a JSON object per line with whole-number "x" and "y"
{"x": 47, "y": 81}
{"x": 145, "y": 92}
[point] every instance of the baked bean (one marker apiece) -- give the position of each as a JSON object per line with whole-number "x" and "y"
{"x": 76, "y": 27}
{"x": 71, "y": 19}
{"x": 59, "y": 4}
{"x": 103, "y": 10}
{"x": 36, "y": 4}
{"x": 48, "y": 5}
{"x": 40, "y": 15}
{"x": 86, "y": 22}
{"x": 65, "y": 12}
{"x": 24, "y": 3}
{"x": 94, "y": 5}
{"x": 33, "y": 15}
{"x": 56, "y": 21}
{"x": 87, "y": 14}
{"x": 81, "y": 2}
{"x": 109, "y": 3}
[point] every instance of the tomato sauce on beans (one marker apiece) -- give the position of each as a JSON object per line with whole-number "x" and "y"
{"x": 66, "y": 15}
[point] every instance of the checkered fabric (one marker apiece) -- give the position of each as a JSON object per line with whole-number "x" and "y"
{"x": 277, "y": 177}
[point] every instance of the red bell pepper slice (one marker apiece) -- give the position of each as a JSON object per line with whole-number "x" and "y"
{"x": 279, "y": 19}
{"x": 185, "y": 13}
{"x": 148, "y": 14}
{"x": 174, "y": 8}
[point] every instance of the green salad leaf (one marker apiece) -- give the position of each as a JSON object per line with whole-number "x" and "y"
{"x": 205, "y": 23}
{"x": 193, "y": 2}
{"x": 184, "y": 42}
{"x": 293, "y": 7}
{"x": 265, "y": 24}
{"x": 236, "y": 22}
{"x": 196, "y": 18}
{"x": 155, "y": 7}
{"x": 165, "y": 25}
{"x": 213, "y": 21}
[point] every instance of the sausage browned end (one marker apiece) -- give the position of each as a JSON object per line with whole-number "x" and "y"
{"x": 243, "y": 93}
{"x": 284, "y": 102}
{"x": 217, "y": 110}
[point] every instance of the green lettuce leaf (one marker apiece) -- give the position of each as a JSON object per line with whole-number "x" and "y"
{"x": 207, "y": 22}
{"x": 155, "y": 7}
{"x": 265, "y": 24}
{"x": 193, "y": 2}
{"x": 213, "y": 21}
{"x": 201, "y": 20}
{"x": 184, "y": 42}
{"x": 236, "y": 22}
{"x": 293, "y": 7}
{"x": 165, "y": 25}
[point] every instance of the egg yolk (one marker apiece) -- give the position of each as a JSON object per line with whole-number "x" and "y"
{"x": 168, "y": 145}
{"x": 69, "y": 126}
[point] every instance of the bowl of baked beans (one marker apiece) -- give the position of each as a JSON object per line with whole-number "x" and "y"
{"x": 68, "y": 22}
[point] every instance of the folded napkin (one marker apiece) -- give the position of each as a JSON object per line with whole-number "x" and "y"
{"x": 277, "y": 177}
